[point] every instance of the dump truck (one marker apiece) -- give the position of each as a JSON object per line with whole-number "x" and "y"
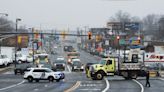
{"x": 128, "y": 66}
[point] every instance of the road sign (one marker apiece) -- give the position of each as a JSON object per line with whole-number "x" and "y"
{"x": 131, "y": 26}
{"x": 106, "y": 42}
{"x": 114, "y": 25}
{"x": 122, "y": 42}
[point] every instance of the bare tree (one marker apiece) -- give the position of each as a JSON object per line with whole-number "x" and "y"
{"x": 150, "y": 23}
{"x": 121, "y": 16}
{"x": 6, "y": 25}
{"x": 161, "y": 27}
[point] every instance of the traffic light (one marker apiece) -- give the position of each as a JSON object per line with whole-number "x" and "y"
{"x": 139, "y": 40}
{"x": 118, "y": 37}
{"x": 98, "y": 38}
{"x": 63, "y": 34}
{"x": 89, "y": 35}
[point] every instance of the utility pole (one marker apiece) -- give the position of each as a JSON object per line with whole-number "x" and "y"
{"x": 16, "y": 38}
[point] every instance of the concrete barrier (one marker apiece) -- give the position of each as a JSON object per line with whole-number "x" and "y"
{"x": 161, "y": 73}
{"x": 152, "y": 73}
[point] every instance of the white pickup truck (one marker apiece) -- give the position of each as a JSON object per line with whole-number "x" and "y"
{"x": 20, "y": 58}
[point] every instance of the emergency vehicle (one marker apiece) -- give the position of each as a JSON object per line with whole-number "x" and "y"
{"x": 72, "y": 55}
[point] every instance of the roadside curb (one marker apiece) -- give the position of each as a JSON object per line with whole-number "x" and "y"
{"x": 2, "y": 70}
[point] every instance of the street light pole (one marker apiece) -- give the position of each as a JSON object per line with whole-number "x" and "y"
{"x": 16, "y": 44}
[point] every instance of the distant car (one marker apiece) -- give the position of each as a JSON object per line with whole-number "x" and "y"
{"x": 20, "y": 68}
{"x": 59, "y": 64}
{"x": 77, "y": 65}
{"x": 42, "y": 74}
{"x": 60, "y": 58}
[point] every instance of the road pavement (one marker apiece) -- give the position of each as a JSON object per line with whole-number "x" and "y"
{"x": 77, "y": 81}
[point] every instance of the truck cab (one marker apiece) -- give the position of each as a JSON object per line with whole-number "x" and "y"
{"x": 105, "y": 67}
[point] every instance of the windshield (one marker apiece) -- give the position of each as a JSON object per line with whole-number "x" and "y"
{"x": 103, "y": 62}
{"x": 73, "y": 54}
{"x": 76, "y": 63}
{"x": 19, "y": 55}
{"x": 59, "y": 61}
{"x": 48, "y": 70}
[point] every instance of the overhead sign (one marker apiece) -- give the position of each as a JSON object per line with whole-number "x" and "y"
{"x": 131, "y": 26}
{"x": 122, "y": 42}
{"x": 114, "y": 25}
{"x": 106, "y": 42}
{"x": 134, "y": 41}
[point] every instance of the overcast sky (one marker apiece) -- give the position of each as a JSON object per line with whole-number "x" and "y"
{"x": 63, "y": 14}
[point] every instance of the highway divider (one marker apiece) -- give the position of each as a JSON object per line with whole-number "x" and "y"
{"x": 75, "y": 86}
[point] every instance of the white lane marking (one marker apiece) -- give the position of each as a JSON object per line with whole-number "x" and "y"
{"x": 12, "y": 86}
{"x": 107, "y": 85}
{"x": 68, "y": 68}
{"x": 46, "y": 85}
{"x": 91, "y": 85}
{"x": 161, "y": 79}
{"x": 95, "y": 89}
{"x": 142, "y": 88}
{"x": 36, "y": 89}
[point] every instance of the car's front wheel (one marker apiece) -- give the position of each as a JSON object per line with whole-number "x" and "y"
{"x": 30, "y": 79}
{"x": 51, "y": 79}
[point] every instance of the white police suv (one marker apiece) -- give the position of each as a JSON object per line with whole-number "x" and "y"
{"x": 42, "y": 74}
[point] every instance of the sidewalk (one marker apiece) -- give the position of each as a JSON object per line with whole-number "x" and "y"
{"x": 6, "y": 69}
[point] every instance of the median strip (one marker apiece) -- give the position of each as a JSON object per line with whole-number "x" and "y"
{"x": 73, "y": 87}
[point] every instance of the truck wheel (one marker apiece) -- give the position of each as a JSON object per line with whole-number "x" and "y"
{"x": 15, "y": 72}
{"x": 73, "y": 69}
{"x": 19, "y": 61}
{"x": 99, "y": 76}
{"x": 51, "y": 79}
{"x": 30, "y": 79}
{"x": 134, "y": 75}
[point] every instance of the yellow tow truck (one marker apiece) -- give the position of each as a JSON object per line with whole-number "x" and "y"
{"x": 129, "y": 67}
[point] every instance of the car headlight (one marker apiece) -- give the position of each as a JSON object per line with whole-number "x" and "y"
{"x": 64, "y": 65}
{"x": 69, "y": 60}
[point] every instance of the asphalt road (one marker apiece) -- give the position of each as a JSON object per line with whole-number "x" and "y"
{"x": 77, "y": 81}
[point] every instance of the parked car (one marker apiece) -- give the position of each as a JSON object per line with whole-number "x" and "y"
{"x": 20, "y": 58}
{"x": 3, "y": 61}
{"x": 20, "y": 68}
{"x": 42, "y": 74}
{"x": 77, "y": 65}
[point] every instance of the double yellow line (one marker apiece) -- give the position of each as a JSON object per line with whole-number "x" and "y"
{"x": 77, "y": 84}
